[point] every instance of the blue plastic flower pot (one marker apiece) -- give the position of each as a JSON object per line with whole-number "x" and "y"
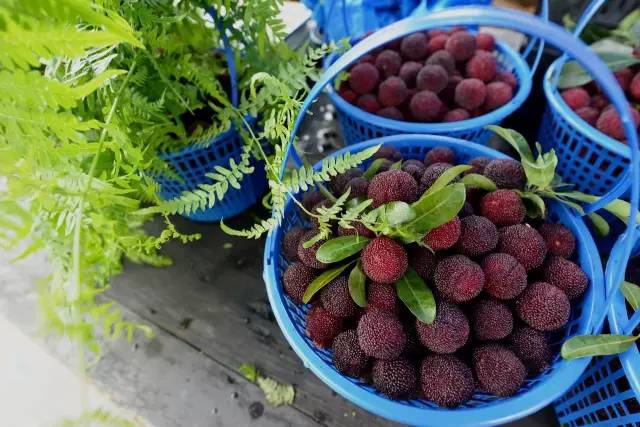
{"x": 483, "y": 409}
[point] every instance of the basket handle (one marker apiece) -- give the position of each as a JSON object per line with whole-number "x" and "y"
{"x": 228, "y": 53}
{"x": 513, "y": 20}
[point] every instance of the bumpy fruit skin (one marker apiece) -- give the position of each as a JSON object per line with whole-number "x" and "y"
{"x": 610, "y": 124}
{"x": 290, "y": 243}
{"x": 443, "y": 58}
{"x": 347, "y": 355}
{"x": 368, "y": 103}
{"x": 456, "y": 115}
{"x": 425, "y": 106}
{"x": 384, "y": 260}
{"x": 459, "y": 279}
{"x": 461, "y": 45}
{"x": 576, "y": 97}
{"x": 470, "y": 93}
{"x": 634, "y": 88}
{"x": 524, "y": 243}
{"x": 589, "y": 115}
{"x": 364, "y": 78}
{"x": 599, "y": 102}
{"x": 388, "y": 63}
{"x": 322, "y": 327}
{"x": 438, "y": 42}
{"x": 505, "y": 173}
{"x": 308, "y": 255}
{"x": 505, "y": 278}
{"x": 439, "y": 155}
{"x": 392, "y": 92}
{"x": 498, "y": 370}
{"x": 508, "y": 77}
{"x": 444, "y": 236}
{"x": 491, "y": 319}
{"x": 448, "y": 332}
{"x": 296, "y": 279}
{"x": 478, "y": 163}
{"x": 532, "y": 348}
{"x": 446, "y": 380}
{"x": 408, "y": 72}
{"x": 498, "y": 94}
{"x": 388, "y": 152}
{"x": 414, "y": 47}
{"x": 432, "y": 77}
{"x": 414, "y": 167}
{"x": 485, "y": 41}
{"x": 346, "y": 93}
{"x": 311, "y": 199}
{"x": 336, "y": 299}
{"x": 394, "y": 378}
{"x": 359, "y": 186}
{"x": 566, "y": 275}
{"x": 431, "y": 174}
{"x": 423, "y": 261}
{"x": 482, "y": 66}
{"x": 478, "y": 236}
{"x": 338, "y": 183}
{"x": 381, "y": 335}
{"x": 559, "y": 239}
{"x": 543, "y": 307}
{"x": 503, "y": 207}
{"x": 624, "y": 77}
{"x": 392, "y": 113}
{"x": 382, "y": 297}
{"x": 392, "y": 186}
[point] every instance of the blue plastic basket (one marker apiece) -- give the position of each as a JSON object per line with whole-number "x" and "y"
{"x": 588, "y": 158}
{"x": 192, "y": 163}
{"x": 483, "y": 409}
{"x": 358, "y": 125}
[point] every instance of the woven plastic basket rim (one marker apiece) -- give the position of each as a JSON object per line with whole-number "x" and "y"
{"x": 565, "y": 374}
{"x": 558, "y": 106}
{"x": 521, "y": 69}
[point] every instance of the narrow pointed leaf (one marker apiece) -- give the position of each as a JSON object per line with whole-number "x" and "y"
{"x": 373, "y": 168}
{"x": 447, "y": 177}
{"x": 357, "y": 281}
{"x": 534, "y": 204}
{"x": 339, "y": 248}
{"x": 479, "y": 181}
{"x": 515, "y": 139}
{"x": 396, "y": 166}
{"x": 595, "y": 345}
{"x": 322, "y": 280}
{"x": 631, "y": 293}
{"x": 434, "y": 209}
{"x": 600, "y": 225}
{"x": 417, "y": 296}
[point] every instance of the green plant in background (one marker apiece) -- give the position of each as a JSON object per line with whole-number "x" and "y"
{"x": 616, "y": 47}
{"x": 93, "y": 92}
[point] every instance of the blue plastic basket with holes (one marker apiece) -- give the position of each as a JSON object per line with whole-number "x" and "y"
{"x": 193, "y": 163}
{"x": 588, "y": 158}
{"x": 482, "y": 410}
{"x": 358, "y": 125}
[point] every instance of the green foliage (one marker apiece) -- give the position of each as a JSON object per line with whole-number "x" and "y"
{"x": 357, "y": 283}
{"x": 277, "y": 394}
{"x": 322, "y": 280}
{"x": 97, "y": 418}
{"x": 417, "y": 296}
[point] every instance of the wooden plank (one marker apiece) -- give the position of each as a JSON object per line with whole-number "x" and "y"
{"x": 214, "y": 299}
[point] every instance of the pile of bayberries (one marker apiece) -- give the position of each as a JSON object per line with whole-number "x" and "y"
{"x": 437, "y": 76}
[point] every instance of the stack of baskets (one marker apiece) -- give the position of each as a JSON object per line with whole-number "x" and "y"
{"x": 483, "y": 409}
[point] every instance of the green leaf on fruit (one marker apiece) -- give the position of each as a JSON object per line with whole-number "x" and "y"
{"x": 340, "y": 248}
{"x": 536, "y": 208}
{"x": 417, "y": 296}
{"x": 447, "y": 177}
{"x": 396, "y": 166}
{"x": 357, "y": 281}
{"x": 479, "y": 181}
{"x": 373, "y": 168}
{"x": 515, "y": 139}
{"x": 631, "y": 293}
{"x": 322, "y": 280}
{"x": 596, "y": 345}
{"x": 396, "y": 213}
{"x": 573, "y": 74}
{"x": 600, "y": 225}
{"x": 434, "y": 209}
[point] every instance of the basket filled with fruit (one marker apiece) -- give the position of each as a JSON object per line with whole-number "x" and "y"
{"x": 445, "y": 81}
{"x": 433, "y": 280}
{"x": 580, "y": 122}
